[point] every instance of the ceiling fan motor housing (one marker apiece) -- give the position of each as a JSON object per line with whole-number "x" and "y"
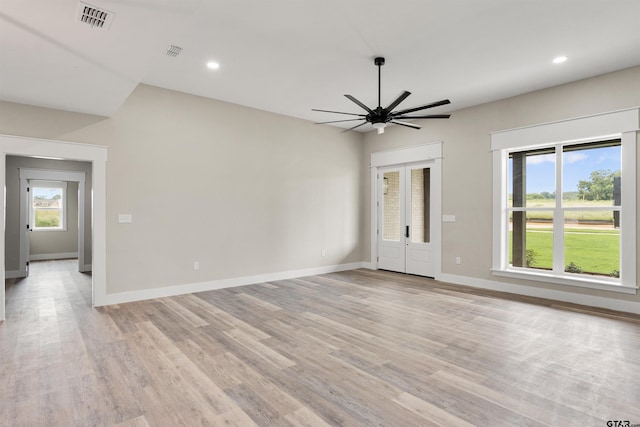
{"x": 380, "y": 116}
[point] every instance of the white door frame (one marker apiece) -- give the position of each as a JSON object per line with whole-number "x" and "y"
{"x": 97, "y": 155}
{"x": 27, "y": 174}
{"x": 427, "y": 153}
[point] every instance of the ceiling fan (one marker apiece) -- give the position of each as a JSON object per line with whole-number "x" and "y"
{"x": 379, "y": 117}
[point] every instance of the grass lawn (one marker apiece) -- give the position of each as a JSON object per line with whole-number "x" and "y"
{"x": 47, "y": 218}
{"x": 594, "y": 251}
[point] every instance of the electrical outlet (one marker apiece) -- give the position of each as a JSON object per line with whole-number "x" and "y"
{"x": 196, "y": 265}
{"x": 458, "y": 260}
{"x": 323, "y": 252}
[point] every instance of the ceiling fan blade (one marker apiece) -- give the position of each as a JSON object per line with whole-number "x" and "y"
{"x": 336, "y": 121}
{"x": 430, "y": 116}
{"x": 424, "y": 107}
{"x": 337, "y": 112}
{"x": 409, "y": 125}
{"x": 367, "y": 109}
{"x": 356, "y": 126}
{"x": 398, "y": 100}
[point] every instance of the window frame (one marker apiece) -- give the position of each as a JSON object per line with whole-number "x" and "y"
{"x": 622, "y": 125}
{"x": 63, "y": 206}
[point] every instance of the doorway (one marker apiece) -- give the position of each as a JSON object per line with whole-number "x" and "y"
{"x": 404, "y": 241}
{"x": 407, "y": 210}
{"x": 28, "y": 179}
{"x": 61, "y": 150}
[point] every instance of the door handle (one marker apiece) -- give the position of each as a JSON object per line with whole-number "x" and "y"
{"x": 406, "y": 233}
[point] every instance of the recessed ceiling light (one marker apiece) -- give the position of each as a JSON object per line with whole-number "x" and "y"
{"x": 559, "y": 59}
{"x": 212, "y": 65}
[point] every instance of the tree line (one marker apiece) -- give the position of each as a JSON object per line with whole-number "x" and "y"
{"x": 599, "y": 186}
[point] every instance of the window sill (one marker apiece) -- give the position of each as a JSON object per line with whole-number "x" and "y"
{"x": 39, "y": 230}
{"x": 587, "y": 282}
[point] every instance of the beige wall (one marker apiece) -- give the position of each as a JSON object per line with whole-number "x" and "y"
{"x": 242, "y": 191}
{"x": 51, "y": 241}
{"x": 467, "y": 164}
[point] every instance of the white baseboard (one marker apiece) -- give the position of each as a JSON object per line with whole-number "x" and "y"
{"x": 13, "y": 274}
{"x": 47, "y": 257}
{"x": 582, "y": 299}
{"x": 86, "y": 268}
{"x": 123, "y": 297}
{"x": 368, "y": 265}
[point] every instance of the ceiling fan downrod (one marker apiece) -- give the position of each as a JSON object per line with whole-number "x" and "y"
{"x": 379, "y": 61}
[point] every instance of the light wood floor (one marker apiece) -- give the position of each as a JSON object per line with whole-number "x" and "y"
{"x": 358, "y": 348}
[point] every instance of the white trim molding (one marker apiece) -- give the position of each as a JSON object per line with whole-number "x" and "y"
{"x": 551, "y": 294}
{"x": 597, "y": 126}
{"x": 48, "y": 257}
{"x": 190, "y": 288}
{"x": 13, "y": 274}
{"x": 398, "y": 156}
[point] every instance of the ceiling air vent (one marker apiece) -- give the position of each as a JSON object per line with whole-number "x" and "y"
{"x": 173, "y": 51}
{"x": 94, "y": 16}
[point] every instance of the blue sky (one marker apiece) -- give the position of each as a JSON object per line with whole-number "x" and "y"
{"x": 47, "y": 193}
{"x": 578, "y": 165}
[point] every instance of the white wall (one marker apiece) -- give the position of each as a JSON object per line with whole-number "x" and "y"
{"x": 467, "y": 164}
{"x": 242, "y": 191}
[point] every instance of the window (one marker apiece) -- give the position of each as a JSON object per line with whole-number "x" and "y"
{"x": 565, "y": 210}
{"x": 48, "y": 205}
{"x": 583, "y": 199}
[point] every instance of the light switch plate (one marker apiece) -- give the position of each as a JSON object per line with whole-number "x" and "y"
{"x": 448, "y": 218}
{"x": 125, "y": 218}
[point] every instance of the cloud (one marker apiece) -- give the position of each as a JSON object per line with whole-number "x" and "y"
{"x": 545, "y": 158}
{"x": 574, "y": 157}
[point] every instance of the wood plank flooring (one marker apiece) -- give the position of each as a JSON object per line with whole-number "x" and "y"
{"x": 358, "y": 348}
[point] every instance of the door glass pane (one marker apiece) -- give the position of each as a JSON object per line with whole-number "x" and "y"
{"x": 420, "y": 198}
{"x": 592, "y": 243}
{"x": 391, "y": 206}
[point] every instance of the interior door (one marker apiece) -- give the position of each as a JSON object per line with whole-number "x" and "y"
{"x": 405, "y": 219}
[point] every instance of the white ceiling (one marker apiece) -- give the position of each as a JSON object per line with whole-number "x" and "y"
{"x": 289, "y": 56}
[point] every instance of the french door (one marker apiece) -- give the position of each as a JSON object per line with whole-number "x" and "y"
{"x": 405, "y": 219}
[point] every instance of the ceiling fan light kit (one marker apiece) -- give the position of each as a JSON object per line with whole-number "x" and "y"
{"x": 380, "y": 127}
{"x": 379, "y": 116}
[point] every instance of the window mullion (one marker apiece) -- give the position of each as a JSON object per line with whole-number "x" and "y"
{"x": 558, "y": 218}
